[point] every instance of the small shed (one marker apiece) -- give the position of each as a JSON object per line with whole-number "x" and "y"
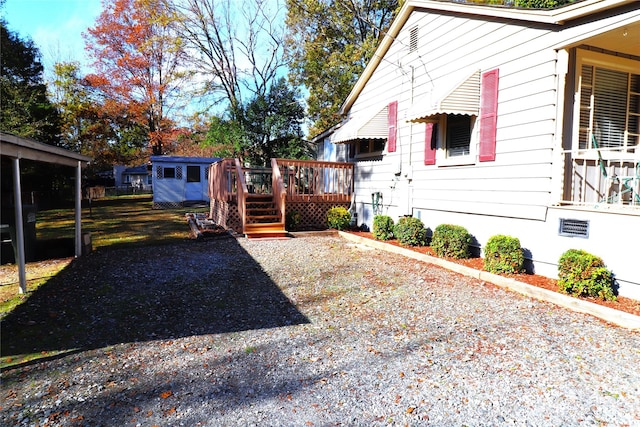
{"x": 180, "y": 181}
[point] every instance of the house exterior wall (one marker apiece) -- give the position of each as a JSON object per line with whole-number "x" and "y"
{"x": 518, "y": 193}
{"x": 329, "y": 152}
{"x": 117, "y": 175}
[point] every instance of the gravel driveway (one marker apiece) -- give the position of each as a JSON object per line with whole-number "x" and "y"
{"x": 312, "y": 331}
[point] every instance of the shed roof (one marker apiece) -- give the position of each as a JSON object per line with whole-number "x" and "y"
{"x": 184, "y": 159}
{"x": 136, "y": 170}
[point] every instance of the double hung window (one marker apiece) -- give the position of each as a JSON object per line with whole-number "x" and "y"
{"x": 609, "y": 108}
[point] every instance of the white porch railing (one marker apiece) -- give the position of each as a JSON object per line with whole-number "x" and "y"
{"x": 602, "y": 177}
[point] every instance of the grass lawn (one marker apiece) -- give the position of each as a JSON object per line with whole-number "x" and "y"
{"x": 112, "y": 222}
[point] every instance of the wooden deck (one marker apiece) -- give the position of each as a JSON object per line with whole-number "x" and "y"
{"x": 309, "y": 187}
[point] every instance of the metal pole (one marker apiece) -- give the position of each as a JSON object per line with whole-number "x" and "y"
{"x": 79, "y": 210}
{"x": 17, "y": 196}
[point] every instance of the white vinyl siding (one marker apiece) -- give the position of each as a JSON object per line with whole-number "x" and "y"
{"x": 451, "y": 49}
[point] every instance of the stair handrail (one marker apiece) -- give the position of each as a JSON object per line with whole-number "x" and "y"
{"x": 278, "y": 189}
{"x": 220, "y": 180}
{"x": 242, "y": 193}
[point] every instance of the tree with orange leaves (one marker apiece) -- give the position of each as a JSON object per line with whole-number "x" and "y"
{"x": 139, "y": 65}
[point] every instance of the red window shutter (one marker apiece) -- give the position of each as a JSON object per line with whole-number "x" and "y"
{"x": 430, "y": 144}
{"x": 393, "y": 124}
{"x": 488, "y": 115}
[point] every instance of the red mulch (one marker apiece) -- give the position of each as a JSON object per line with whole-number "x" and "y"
{"x": 623, "y": 304}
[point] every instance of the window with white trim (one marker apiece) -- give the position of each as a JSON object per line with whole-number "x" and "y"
{"x": 608, "y": 90}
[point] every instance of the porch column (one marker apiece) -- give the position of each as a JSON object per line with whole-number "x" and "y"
{"x": 17, "y": 196}
{"x": 79, "y": 210}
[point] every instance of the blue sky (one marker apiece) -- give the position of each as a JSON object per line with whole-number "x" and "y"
{"x": 55, "y": 26}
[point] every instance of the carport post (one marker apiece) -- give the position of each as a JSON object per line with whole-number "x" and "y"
{"x": 17, "y": 197}
{"x": 79, "y": 210}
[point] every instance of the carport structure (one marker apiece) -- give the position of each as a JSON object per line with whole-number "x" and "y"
{"x": 17, "y": 148}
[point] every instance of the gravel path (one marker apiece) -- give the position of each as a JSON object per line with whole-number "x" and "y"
{"x": 310, "y": 331}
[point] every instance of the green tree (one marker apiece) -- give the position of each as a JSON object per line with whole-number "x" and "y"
{"x": 71, "y": 98}
{"x": 25, "y": 109}
{"x": 329, "y": 42}
{"x": 269, "y": 126}
{"x": 273, "y": 125}
{"x": 226, "y": 137}
{"x": 108, "y": 136}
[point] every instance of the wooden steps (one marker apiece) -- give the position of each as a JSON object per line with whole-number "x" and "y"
{"x": 262, "y": 218}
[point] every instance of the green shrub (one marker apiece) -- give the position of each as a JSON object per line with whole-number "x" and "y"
{"x": 382, "y": 227}
{"x": 503, "y": 254}
{"x": 583, "y": 274}
{"x": 293, "y": 220}
{"x": 451, "y": 241}
{"x": 410, "y": 231}
{"x": 338, "y": 218}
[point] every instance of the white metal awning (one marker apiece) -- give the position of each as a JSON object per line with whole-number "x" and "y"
{"x": 463, "y": 98}
{"x": 370, "y": 124}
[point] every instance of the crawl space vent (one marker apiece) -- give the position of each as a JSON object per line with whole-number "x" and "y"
{"x": 574, "y": 228}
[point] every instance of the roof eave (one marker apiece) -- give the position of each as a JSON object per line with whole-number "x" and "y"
{"x": 557, "y": 16}
{"x": 30, "y": 149}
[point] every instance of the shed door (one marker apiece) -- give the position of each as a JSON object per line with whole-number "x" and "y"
{"x": 193, "y": 187}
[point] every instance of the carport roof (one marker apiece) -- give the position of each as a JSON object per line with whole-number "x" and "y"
{"x": 25, "y": 148}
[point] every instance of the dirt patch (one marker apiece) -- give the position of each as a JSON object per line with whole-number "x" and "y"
{"x": 623, "y": 304}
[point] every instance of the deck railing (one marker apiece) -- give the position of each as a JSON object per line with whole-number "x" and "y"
{"x": 602, "y": 177}
{"x": 301, "y": 180}
{"x": 307, "y": 180}
{"x": 259, "y": 179}
{"x": 223, "y": 180}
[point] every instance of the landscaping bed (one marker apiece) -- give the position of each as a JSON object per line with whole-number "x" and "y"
{"x": 627, "y": 305}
